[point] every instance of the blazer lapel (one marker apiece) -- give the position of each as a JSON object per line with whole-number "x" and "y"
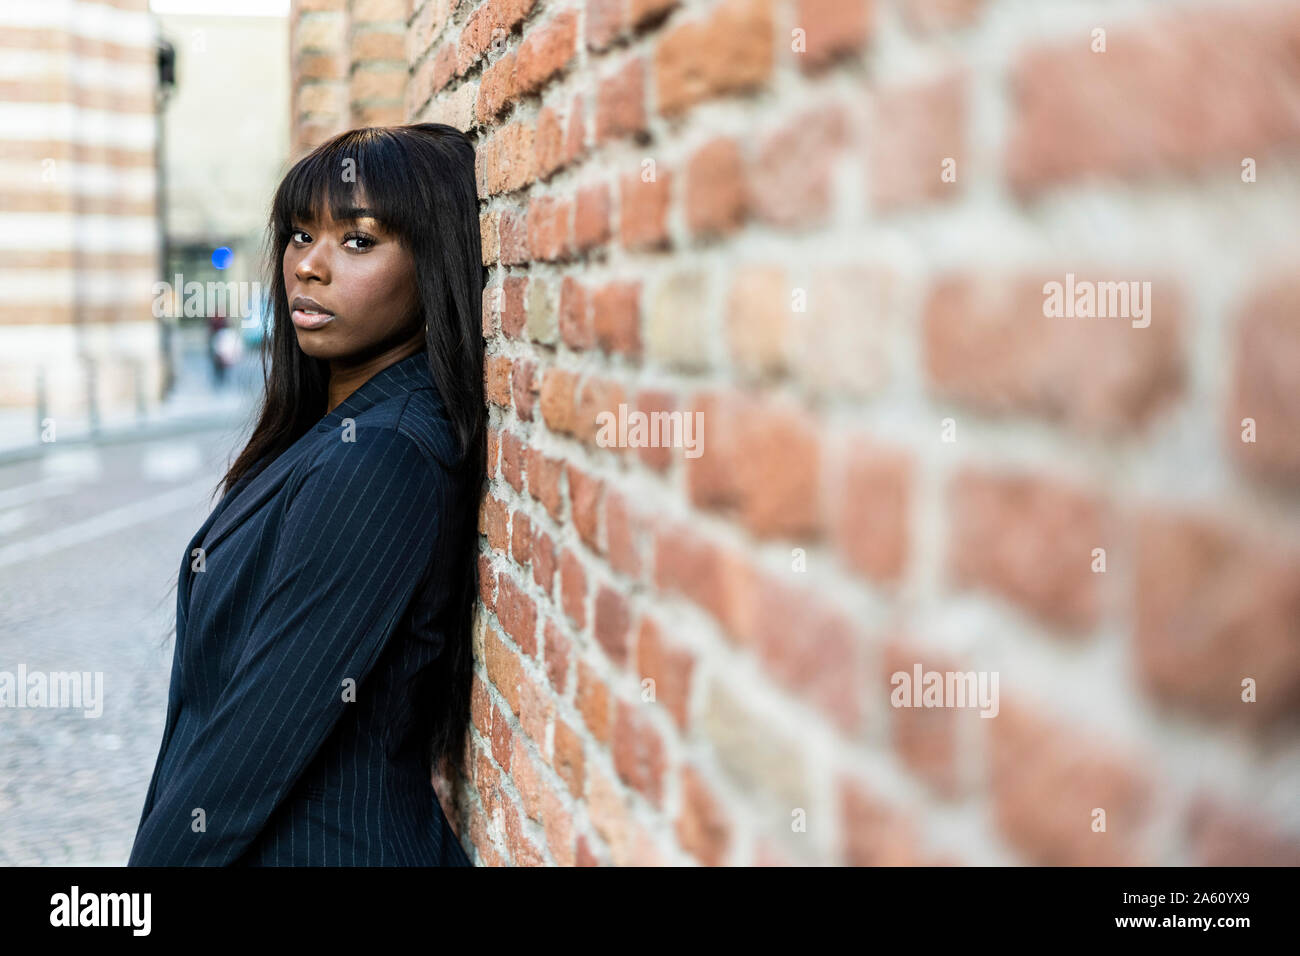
{"x": 409, "y": 373}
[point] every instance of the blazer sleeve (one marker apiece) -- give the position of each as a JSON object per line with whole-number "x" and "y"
{"x": 355, "y": 541}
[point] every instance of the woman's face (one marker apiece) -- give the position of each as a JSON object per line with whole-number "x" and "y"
{"x": 360, "y": 276}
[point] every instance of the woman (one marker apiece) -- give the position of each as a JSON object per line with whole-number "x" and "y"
{"x": 323, "y": 656}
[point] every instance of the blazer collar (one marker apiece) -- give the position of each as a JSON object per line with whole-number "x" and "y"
{"x": 406, "y": 375}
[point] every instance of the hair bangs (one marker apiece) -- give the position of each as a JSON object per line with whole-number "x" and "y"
{"x": 362, "y": 172}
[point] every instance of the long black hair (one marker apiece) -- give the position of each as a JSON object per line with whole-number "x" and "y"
{"x": 418, "y": 181}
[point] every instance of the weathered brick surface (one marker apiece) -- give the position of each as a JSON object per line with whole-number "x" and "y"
{"x": 740, "y": 214}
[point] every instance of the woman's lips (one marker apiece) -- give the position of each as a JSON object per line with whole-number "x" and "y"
{"x": 311, "y": 320}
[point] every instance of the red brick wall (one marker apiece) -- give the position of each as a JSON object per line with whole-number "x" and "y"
{"x": 827, "y": 226}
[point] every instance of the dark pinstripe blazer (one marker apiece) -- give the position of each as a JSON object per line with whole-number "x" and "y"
{"x": 320, "y": 569}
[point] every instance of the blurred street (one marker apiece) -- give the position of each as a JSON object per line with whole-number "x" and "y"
{"x": 91, "y": 539}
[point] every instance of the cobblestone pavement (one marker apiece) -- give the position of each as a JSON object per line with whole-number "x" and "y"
{"x": 91, "y": 539}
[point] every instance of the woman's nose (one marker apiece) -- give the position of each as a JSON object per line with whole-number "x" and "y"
{"x": 312, "y": 265}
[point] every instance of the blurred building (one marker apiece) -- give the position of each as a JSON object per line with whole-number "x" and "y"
{"x": 80, "y": 232}
{"x": 225, "y": 144}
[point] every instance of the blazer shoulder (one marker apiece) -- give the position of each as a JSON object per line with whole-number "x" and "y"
{"x": 417, "y": 415}
{"x": 423, "y": 419}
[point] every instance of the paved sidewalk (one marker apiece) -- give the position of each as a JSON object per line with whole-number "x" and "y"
{"x": 193, "y": 404}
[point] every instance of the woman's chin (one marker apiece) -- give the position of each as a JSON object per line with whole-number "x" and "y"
{"x": 316, "y": 344}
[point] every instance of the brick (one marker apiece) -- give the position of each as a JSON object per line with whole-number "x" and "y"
{"x": 925, "y": 738}
{"x": 514, "y": 241}
{"x": 524, "y": 388}
{"x": 1170, "y": 93}
{"x": 593, "y": 702}
{"x": 591, "y": 226}
{"x": 558, "y": 395}
{"x": 557, "y": 821}
{"x": 763, "y": 458}
{"x": 623, "y": 532}
{"x": 496, "y": 89}
{"x": 536, "y": 710}
{"x": 717, "y": 197}
{"x": 1046, "y": 781}
{"x": 493, "y": 450}
{"x": 916, "y": 131}
{"x": 546, "y": 50}
{"x": 876, "y": 833}
{"x": 521, "y": 538}
{"x": 487, "y": 582}
{"x": 508, "y": 157}
{"x": 493, "y": 521}
{"x": 569, "y": 758}
{"x": 586, "y": 496}
{"x": 730, "y": 50}
{"x": 512, "y": 459}
{"x": 638, "y": 752}
{"x": 558, "y": 653}
{"x": 573, "y": 588}
{"x": 542, "y": 325}
{"x": 616, "y": 317}
{"x": 548, "y": 234}
{"x": 549, "y": 142}
{"x": 657, "y": 405}
{"x": 643, "y": 220}
{"x": 759, "y": 321}
{"x": 605, "y": 20}
{"x": 792, "y": 176}
{"x": 575, "y": 315}
{"x": 1264, "y": 365}
{"x": 367, "y": 83}
{"x": 503, "y": 671}
{"x": 612, "y": 624}
{"x": 620, "y": 103}
{"x": 833, "y": 28}
{"x": 722, "y": 583}
{"x": 575, "y": 139}
{"x": 513, "y": 314}
{"x": 988, "y": 344}
{"x": 1029, "y": 538}
{"x": 491, "y": 244}
{"x": 544, "y": 480}
{"x": 842, "y": 339}
{"x": 755, "y": 751}
{"x": 871, "y": 526}
{"x": 676, "y": 332}
{"x": 811, "y": 648}
{"x": 1216, "y": 605}
{"x": 543, "y": 552}
{"x": 669, "y": 667}
{"x": 517, "y": 614}
{"x": 1220, "y": 835}
{"x": 928, "y": 16}
{"x": 701, "y": 826}
{"x": 596, "y": 397}
{"x": 497, "y": 380}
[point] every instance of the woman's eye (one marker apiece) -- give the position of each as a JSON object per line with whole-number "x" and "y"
{"x": 370, "y": 242}
{"x": 293, "y": 236}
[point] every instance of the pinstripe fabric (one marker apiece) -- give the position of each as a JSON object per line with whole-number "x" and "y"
{"x": 321, "y": 573}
